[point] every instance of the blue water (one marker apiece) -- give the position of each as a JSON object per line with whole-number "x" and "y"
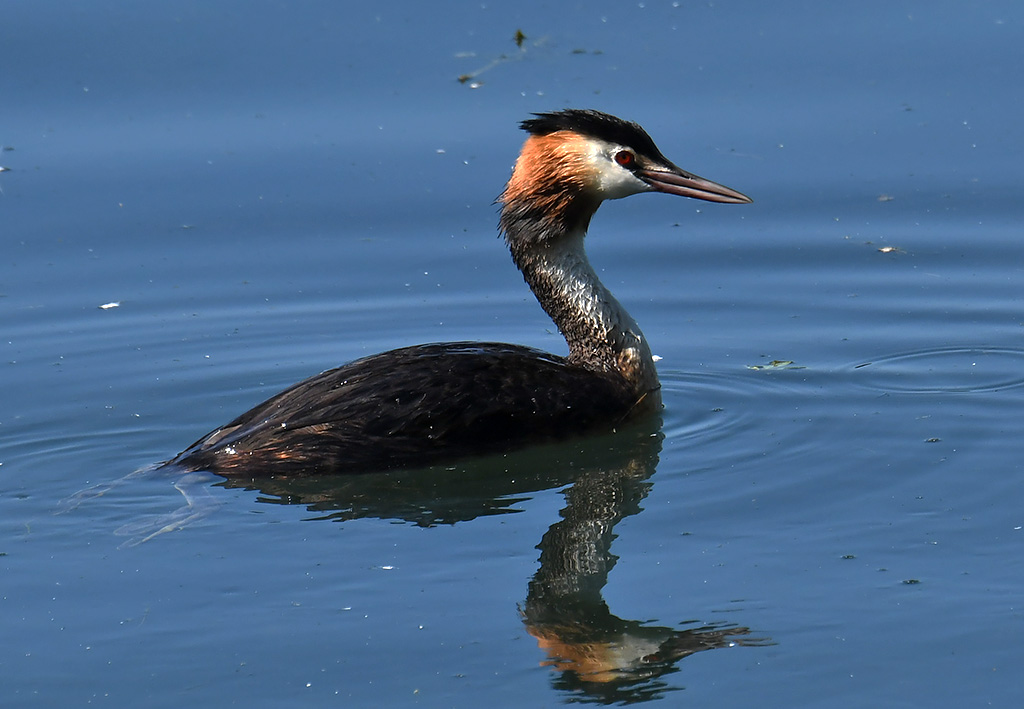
{"x": 829, "y": 512}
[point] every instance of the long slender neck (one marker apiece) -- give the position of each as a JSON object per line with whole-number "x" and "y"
{"x": 600, "y": 333}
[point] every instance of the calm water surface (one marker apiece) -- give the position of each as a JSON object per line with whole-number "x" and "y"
{"x": 829, "y": 512}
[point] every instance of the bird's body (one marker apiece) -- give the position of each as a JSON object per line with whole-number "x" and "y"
{"x": 430, "y": 403}
{"x": 350, "y": 419}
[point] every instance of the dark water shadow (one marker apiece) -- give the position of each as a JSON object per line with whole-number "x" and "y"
{"x": 460, "y": 492}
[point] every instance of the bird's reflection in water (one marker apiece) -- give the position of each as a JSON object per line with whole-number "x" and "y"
{"x": 596, "y": 653}
{"x": 597, "y": 656}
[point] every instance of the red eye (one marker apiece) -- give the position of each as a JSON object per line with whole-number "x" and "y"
{"x": 625, "y": 158}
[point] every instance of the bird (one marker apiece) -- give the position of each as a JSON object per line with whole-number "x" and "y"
{"x": 436, "y": 403}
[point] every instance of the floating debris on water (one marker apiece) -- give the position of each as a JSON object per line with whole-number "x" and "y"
{"x": 776, "y": 364}
{"x": 468, "y": 78}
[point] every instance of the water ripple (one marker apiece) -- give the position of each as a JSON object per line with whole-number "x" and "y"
{"x": 950, "y": 369}
{"x": 715, "y": 405}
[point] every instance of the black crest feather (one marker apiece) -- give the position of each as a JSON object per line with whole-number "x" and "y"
{"x": 596, "y": 125}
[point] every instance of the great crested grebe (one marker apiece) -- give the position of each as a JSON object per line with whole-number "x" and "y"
{"x": 415, "y": 406}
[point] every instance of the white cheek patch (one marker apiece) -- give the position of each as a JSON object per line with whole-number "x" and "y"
{"x": 612, "y": 180}
{"x": 618, "y": 182}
